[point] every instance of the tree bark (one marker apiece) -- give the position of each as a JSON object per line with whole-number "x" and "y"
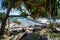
{"x": 4, "y": 19}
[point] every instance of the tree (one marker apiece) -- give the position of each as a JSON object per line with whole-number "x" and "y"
{"x": 7, "y": 4}
{"x": 37, "y": 8}
{"x": 1, "y": 16}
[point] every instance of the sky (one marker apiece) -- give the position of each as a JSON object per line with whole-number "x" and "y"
{"x": 0, "y": 5}
{"x": 13, "y": 12}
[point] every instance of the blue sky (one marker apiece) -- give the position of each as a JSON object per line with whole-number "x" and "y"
{"x": 13, "y": 12}
{"x": 0, "y": 3}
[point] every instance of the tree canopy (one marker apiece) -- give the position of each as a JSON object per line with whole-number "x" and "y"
{"x": 1, "y": 16}
{"x": 36, "y": 8}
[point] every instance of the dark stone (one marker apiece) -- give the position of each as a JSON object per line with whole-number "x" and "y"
{"x": 23, "y": 30}
{"x": 55, "y": 30}
{"x": 43, "y": 38}
{"x": 30, "y": 26}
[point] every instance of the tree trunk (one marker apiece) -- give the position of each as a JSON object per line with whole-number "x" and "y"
{"x": 4, "y": 19}
{"x": 2, "y": 31}
{"x": 53, "y": 9}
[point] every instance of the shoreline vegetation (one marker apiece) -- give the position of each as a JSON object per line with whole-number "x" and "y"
{"x": 36, "y": 33}
{"x": 29, "y": 19}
